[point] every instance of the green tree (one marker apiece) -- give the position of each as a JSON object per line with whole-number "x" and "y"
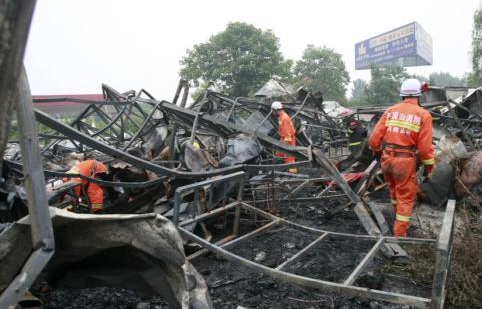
{"x": 358, "y": 92}
{"x": 384, "y": 87}
{"x": 444, "y": 79}
{"x": 241, "y": 58}
{"x": 199, "y": 91}
{"x": 322, "y": 68}
{"x": 421, "y": 78}
{"x": 475, "y": 78}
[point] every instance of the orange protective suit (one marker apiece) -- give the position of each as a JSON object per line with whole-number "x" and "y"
{"x": 90, "y": 168}
{"x": 286, "y": 132}
{"x": 403, "y": 129}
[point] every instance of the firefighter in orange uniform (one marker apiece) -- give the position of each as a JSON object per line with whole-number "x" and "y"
{"x": 90, "y": 168}
{"x": 286, "y": 132}
{"x": 402, "y": 130}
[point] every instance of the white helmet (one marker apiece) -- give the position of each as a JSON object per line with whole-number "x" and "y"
{"x": 411, "y": 88}
{"x": 276, "y": 105}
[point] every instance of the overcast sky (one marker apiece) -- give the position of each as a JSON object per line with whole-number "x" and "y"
{"x": 75, "y": 46}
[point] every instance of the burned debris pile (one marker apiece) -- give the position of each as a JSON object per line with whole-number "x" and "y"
{"x": 140, "y": 190}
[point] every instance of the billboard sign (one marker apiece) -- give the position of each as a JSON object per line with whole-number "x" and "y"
{"x": 409, "y": 45}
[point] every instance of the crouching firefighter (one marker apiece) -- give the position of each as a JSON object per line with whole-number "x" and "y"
{"x": 286, "y": 132}
{"x": 94, "y": 193}
{"x": 402, "y": 130}
{"x": 357, "y": 144}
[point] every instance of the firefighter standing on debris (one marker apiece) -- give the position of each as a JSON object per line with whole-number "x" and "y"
{"x": 286, "y": 132}
{"x": 402, "y": 130}
{"x": 89, "y": 168}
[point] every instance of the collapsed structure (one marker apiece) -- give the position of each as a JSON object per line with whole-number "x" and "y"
{"x": 176, "y": 172}
{"x": 215, "y": 157}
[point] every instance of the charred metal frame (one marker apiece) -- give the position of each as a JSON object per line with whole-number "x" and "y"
{"x": 309, "y": 116}
{"x": 127, "y": 106}
{"x": 186, "y": 118}
{"x": 226, "y": 129}
{"x": 115, "y": 126}
{"x": 14, "y": 83}
{"x": 442, "y": 265}
{"x": 239, "y": 176}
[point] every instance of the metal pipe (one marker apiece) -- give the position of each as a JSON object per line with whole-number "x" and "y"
{"x": 42, "y": 233}
{"x": 194, "y": 127}
{"x": 103, "y": 183}
{"x": 231, "y": 109}
{"x": 180, "y": 190}
{"x": 251, "y": 234}
{"x": 210, "y": 213}
{"x": 184, "y": 94}
{"x": 302, "y": 105}
{"x": 178, "y": 91}
{"x": 301, "y": 253}
{"x": 39, "y": 216}
{"x": 361, "y": 266}
{"x": 301, "y": 199}
{"x": 261, "y": 123}
{"x": 443, "y": 257}
{"x": 15, "y": 22}
{"x": 148, "y": 118}
{"x": 239, "y": 198}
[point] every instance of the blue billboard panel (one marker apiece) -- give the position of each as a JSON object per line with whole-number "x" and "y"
{"x": 408, "y": 45}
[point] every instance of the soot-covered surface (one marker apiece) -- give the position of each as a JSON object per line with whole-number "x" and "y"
{"x": 232, "y": 285}
{"x": 274, "y": 246}
{"x": 95, "y": 298}
{"x": 333, "y": 259}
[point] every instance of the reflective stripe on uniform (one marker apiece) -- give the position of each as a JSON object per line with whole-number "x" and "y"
{"x": 394, "y": 202}
{"x": 97, "y": 206}
{"x": 428, "y": 161}
{"x": 349, "y": 131}
{"x": 354, "y": 144}
{"x": 403, "y": 218}
{"x": 403, "y": 124}
{"x": 287, "y": 139}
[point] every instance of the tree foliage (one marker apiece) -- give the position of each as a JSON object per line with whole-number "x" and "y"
{"x": 421, "y": 78}
{"x": 384, "y": 87}
{"x": 475, "y": 78}
{"x": 241, "y": 58}
{"x": 358, "y": 92}
{"x": 444, "y": 79}
{"x": 322, "y": 68}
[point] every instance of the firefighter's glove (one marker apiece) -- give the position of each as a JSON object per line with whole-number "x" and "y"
{"x": 427, "y": 171}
